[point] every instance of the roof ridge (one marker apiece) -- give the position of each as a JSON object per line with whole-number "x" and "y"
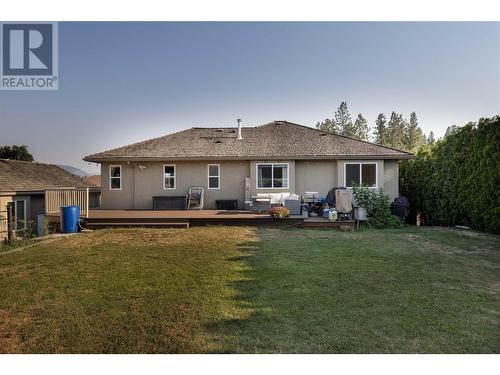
{"x": 29, "y": 162}
{"x": 269, "y": 123}
{"x": 345, "y": 136}
{"x": 217, "y": 127}
{"x": 19, "y": 161}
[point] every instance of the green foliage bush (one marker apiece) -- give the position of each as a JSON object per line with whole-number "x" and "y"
{"x": 457, "y": 181}
{"x": 377, "y": 205}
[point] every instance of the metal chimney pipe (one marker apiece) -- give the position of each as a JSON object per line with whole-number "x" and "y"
{"x": 239, "y": 128}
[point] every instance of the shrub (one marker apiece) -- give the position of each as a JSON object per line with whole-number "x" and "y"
{"x": 457, "y": 180}
{"x": 279, "y": 212}
{"x": 377, "y": 206}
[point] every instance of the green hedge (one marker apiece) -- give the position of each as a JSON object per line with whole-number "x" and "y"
{"x": 457, "y": 181}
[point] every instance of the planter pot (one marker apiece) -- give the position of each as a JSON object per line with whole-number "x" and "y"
{"x": 360, "y": 213}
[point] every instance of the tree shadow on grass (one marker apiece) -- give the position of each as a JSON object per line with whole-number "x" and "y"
{"x": 265, "y": 316}
{"x": 329, "y": 294}
{"x": 233, "y": 332}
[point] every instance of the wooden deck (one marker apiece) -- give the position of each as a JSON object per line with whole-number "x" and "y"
{"x": 189, "y": 218}
{"x": 184, "y": 218}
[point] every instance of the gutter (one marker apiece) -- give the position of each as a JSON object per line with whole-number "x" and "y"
{"x": 249, "y": 158}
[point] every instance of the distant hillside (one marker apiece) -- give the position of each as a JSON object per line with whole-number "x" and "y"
{"x": 76, "y": 171}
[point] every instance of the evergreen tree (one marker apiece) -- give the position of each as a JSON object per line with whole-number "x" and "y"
{"x": 414, "y": 137}
{"x": 430, "y": 139}
{"x": 343, "y": 121}
{"x": 451, "y": 130}
{"x": 396, "y": 131}
{"x": 327, "y": 125}
{"x": 380, "y": 131}
{"x": 361, "y": 127}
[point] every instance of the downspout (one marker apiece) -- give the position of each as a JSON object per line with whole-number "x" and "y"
{"x": 133, "y": 186}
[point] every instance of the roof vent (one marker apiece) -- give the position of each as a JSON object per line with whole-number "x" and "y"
{"x": 218, "y": 130}
{"x": 323, "y": 135}
{"x": 218, "y": 141}
{"x": 239, "y": 128}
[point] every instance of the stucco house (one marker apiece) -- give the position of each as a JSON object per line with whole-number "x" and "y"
{"x": 22, "y": 187}
{"x": 238, "y": 162}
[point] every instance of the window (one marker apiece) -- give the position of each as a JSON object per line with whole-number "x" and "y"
{"x": 360, "y": 174}
{"x": 264, "y": 176}
{"x": 214, "y": 176}
{"x": 20, "y": 215}
{"x": 169, "y": 176}
{"x": 272, "y": 176}
{"x": 19, "y": 211}
{"x": 115, "y": 177}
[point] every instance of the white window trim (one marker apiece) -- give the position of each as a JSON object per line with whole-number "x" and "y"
{"x": 218, "y": 176}
{"x": 15, "y": 213}
{"x": 111, "y": 166}
{"x": 361, "y": 173}
{"x": 174, "y": 176}
{"x": 272, "y": 176}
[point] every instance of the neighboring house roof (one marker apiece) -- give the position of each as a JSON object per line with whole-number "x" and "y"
{"x": 276, "y": 140}
{"x": 94, "y": 179}
{"x": 27, "y": 176}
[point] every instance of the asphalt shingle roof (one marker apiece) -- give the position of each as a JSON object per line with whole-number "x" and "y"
{"x": 276, "y": 140}
{"x": 27, "y": 176}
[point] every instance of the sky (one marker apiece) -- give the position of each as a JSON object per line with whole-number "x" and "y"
{"x": 121, "y": 83}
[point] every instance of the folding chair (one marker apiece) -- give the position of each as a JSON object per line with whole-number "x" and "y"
{"x": 195, "y": 197}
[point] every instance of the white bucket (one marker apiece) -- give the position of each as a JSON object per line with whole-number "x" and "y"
{"x": 332, "y": 215}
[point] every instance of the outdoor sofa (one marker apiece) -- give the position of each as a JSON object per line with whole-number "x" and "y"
{"x": 262, "y": 202}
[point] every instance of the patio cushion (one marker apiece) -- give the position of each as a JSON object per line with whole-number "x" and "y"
{"x": 276, "y": 198}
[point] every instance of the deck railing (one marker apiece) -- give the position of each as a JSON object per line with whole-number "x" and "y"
{"x": 55, "y": 198}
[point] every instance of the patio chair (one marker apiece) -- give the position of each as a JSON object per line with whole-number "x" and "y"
{"x": 294, "y": 206}
{"x": 195, "y": 198}
{"x": 260, "y": 203}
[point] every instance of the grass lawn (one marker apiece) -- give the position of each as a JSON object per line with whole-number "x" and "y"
{"x": 229, "y": 289}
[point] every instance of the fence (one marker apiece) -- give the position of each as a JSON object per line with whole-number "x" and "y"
{"x": 4, "y": 225}
{"x": 55, "y": 198}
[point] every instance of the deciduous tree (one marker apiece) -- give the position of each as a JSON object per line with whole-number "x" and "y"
{"x": 16, "y": 152}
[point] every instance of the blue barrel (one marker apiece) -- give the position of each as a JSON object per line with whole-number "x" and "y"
{"x": 69, "y": 219}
